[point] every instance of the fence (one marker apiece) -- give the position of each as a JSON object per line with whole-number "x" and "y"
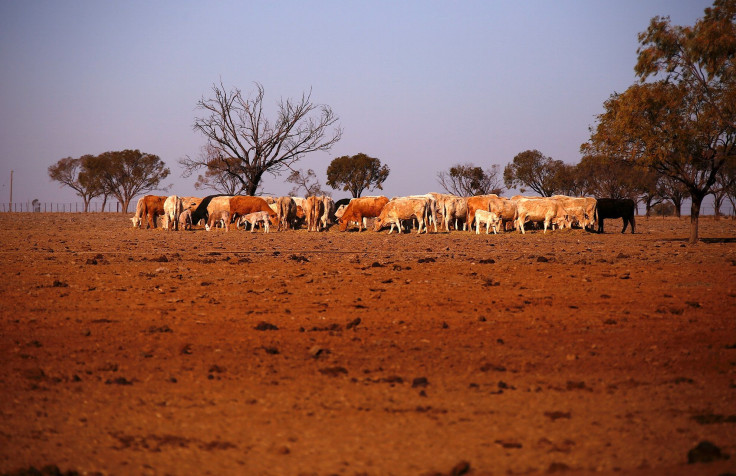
{"x": 68, "y": 207}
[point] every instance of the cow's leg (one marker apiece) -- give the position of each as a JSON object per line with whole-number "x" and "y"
{"x": 477, "y": 227}
{"x": 632, "y": 224}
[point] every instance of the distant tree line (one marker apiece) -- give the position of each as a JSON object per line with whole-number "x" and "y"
{"x": 121, "y": 174}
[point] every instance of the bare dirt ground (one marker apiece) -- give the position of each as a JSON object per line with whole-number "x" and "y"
{"x": 145, "y": 352}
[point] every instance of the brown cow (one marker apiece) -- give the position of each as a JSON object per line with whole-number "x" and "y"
{"x": 150, "y": 206}
{"x": 359, "y": 208}
{"x": 478, "y": 202}
{"x": 243, "y": 205}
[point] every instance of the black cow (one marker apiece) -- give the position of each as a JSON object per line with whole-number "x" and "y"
{"x": 616, "y": 208}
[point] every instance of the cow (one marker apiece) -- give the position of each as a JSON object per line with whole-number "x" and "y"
{"x": 286, "y": 213}
{"x": 581, "y": 209}
{"x": 190, "y": 203}
{"x": 504, "y": 208}
{"x": 454, "y": 208}
{"x": 328, "y": 214}
{"x": 254, "y": 219}
{"x": 314, "y": 208}
{"x": 150, "y": 206}
{"x": 240, "y": 205}
{"x": 403, "y": 208}
{"x": 616, "y": 208}
{"x": 548, "y": 210}
{"x": 185, "y": 220}
{"x": 172, "y": 209}
{"x": 216, "y": 216}
{"x": 201, "y": 211}
{"x": 491, "y": 219}
{"x": 359, "y": 208}
{"x": 432, "y": 204}
{"x": 475, "y": 203}
{"x": 215, "y": 208}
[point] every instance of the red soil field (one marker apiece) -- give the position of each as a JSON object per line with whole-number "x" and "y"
{"x": 130, "y": 351}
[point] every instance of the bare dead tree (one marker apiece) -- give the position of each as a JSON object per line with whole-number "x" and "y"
{"x": 216, "y": 176}
{"x": 466, "y": 180}
{"x": 237, "y": 126}
{"x": 306, "y": 181}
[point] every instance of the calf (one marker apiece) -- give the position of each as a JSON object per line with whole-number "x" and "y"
{"x": 216, "y": 216}
{"x": 185, "y": 220}
{"x": 256, "y": 218}
{"x": 491, "y": 219}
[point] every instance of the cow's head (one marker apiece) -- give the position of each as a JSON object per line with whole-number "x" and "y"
{"x": 378, "y": 224}
{"x": 136, "y": 222}
{"x": 343, "y": 224}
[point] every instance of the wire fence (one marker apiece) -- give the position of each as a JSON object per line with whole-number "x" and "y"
{"x": 63, "y": 207}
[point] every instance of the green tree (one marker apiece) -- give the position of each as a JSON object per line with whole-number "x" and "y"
{"x": 534, "y": 170}
{"x": 127, "y": 173}
{"x": 356, "y": 173}
{"x": 682, "y": 125}
{"x": 237, "y": 127}
{"x": 466, "y": 180}
{"x": 76, "y": 174}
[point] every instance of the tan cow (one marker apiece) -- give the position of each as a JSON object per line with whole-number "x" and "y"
{"x": 491, "y": 219}
{"x": 403, "y": 209}
{"x": 359, "y": 208}
{"x": 548, "y": 210}
{"x": 314, "y": 208}
{"x": 581, "y": 209}
{"x": 453, "y": 209}
{"x": 504, "y": 208}
{"x": 150, "y": 206}
{"x": 215, "y": 207}
{"x": 286, "y": 213}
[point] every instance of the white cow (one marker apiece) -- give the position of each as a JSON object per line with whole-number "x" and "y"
{"x": 172, "y": 209}
{"x": 491, "y": 219}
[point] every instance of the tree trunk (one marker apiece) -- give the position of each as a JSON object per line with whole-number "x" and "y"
{"x": 678, "y": 207}
{"x": 694, "y": 215}
{"x": 86, "y": 200}
{"x": 125, "y": 204}
{"x": 104, "y": 202}
{"x": 717, "y": 203}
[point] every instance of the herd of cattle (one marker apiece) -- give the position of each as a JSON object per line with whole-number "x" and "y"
{"x": 320, "y": 212}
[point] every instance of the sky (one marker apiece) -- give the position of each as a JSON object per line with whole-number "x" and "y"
{"x": 421, "y": 85}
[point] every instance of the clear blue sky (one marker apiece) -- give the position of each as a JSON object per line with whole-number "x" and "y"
{"x": 422, "y": 85}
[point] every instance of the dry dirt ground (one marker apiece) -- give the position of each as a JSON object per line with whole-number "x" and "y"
{"x": 145, "y": 352}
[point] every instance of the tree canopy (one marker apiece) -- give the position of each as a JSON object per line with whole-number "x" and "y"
{"x": 76, "y": 174}
{"x": 680, "y": 119}
{"x": 534, "y": 170}
{"x": 357, "y": 173}
{"x": 237, "y": 128}
{"x": 127, "y": 173}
